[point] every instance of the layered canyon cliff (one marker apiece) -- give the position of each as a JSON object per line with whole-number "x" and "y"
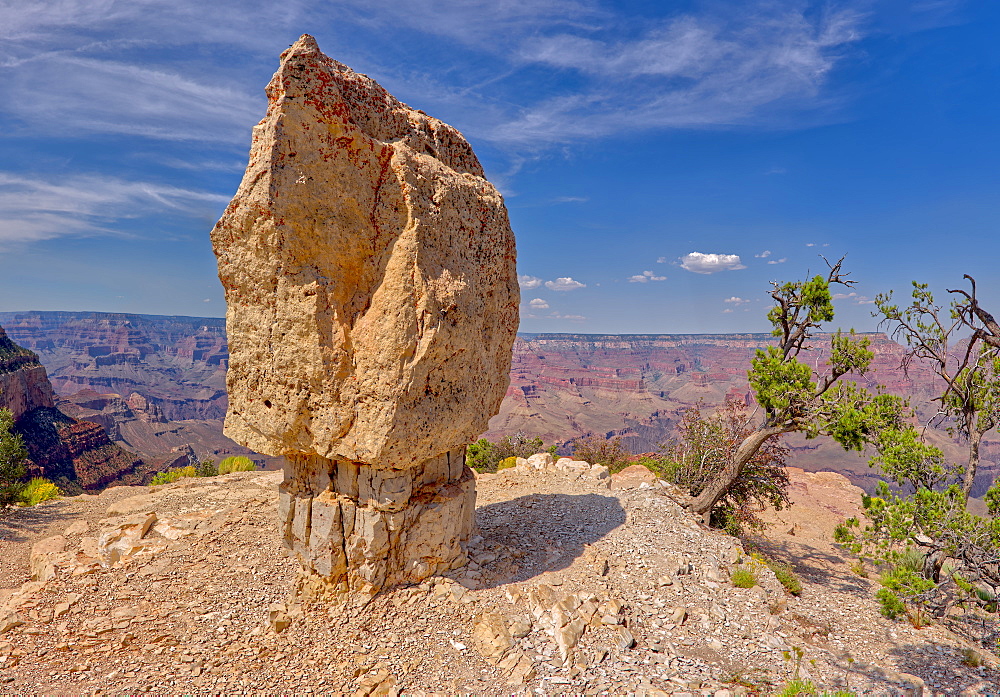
{"x": 76, "y": 454}
{"x": 563, "y": 386}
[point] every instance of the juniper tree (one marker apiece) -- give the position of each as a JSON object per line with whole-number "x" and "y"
{"x": 970, "y": 403}
{"x": 796, "y": 397}
{"x": 12, "y": 460}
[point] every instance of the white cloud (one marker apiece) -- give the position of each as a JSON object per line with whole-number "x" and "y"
{"x": 570, "y": 199}
{"x": 854, "y": 298}
{"x": 102, "y": 96}
{"x": 538, "y": 304}
{"x": 207, "y": 300}
{"x": 646, "y": 277}
{"x": 782, "y": 260}
{"x": 556, "y": 315}
{"x": 697, "y": 262}
{"x": 727, "y": 310}
{"x": 529, "y": 282}
{"x": 32, "y": 209}
{"x": 662, "y": 260}
{"x": 727, "y": 68}
{"x": 734, "y": 300}
{"x": 563, "y": 284}
{"x": 763, "y": 255}
{"x": 810, "y": 244}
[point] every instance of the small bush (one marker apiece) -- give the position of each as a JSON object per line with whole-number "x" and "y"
{"x": 37, "y": 490}
{"x": 507, "y": 463}
{"x": 798, "y": 687}
{"x": 207, "y": 468}
{"x": 485, "y": 456}
{"x": 786, "y": 576}
{"x": 12, "y": 460}
{"x": 172, "y": 475}
{"x": 971, "y": 658}
{"x": 743, "y": 578}
{"x": 236, "y": 463}
{"x": 892, "y": 606}
{"x": 603, "y": 451}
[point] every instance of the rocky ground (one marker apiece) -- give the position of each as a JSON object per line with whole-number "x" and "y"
{"x": 578, "y": 585}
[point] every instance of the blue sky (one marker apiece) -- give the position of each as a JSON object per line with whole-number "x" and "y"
{"x": 662, "y": 161}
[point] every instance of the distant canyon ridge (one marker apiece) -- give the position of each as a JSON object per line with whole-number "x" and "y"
{"x": 157, "y": 385}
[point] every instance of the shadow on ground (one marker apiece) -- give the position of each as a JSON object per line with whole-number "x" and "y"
{"x": 23, "y": 524}
{"x": 814, "y": 566}
{"x": 546, "y": 532}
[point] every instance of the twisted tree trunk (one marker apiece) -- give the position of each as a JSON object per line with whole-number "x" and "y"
{"x": 718, "y": 487}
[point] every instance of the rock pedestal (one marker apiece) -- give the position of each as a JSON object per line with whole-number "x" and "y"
{"x": 363, "y": 528}
{"x": 372, "y": 296}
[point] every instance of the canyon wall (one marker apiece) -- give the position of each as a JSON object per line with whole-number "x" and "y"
{"x": 76, "y": 454}
{"x": 562, "y": 385}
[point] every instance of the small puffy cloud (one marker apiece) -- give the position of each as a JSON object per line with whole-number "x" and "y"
{"x": 563, "y": 284}
{"x": 763, "y": 255}
{"x": 727, "y": 310}
{"x": 698, "y": 262}
{"x": 782, "y": 260}
{"x": 854, "y": 298}
{"x": 661, "y": 260}
{"x": 570, "y": 199}
{"x": 529, "y": 282}
{"x": 646, "y": 277}
{"x": 810, "y": 244}
{"x": 207, "y": 300}
{"x": 734, "y": 300}
{"x": 556, "y": 315}
{"x": 538, "y": 304}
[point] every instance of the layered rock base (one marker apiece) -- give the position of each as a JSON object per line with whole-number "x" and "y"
{"x": 357, "y": 528}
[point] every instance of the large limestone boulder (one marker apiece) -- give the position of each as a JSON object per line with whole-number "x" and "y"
{"x": 369, "y": 270}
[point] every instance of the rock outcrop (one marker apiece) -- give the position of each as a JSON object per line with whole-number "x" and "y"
{"x": 77, "y": 454}
{"x": 369, "y": 270}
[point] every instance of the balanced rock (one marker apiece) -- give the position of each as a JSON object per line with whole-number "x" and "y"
{"x": 369, "y": 270}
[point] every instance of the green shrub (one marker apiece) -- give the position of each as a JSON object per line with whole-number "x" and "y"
{"x": 207, "y": 468}
{"x": 892, "y": 606}
{"x": 236, "y": 463}
{"x": 12, "y": 460}
{"x": 507, "y": 463}
{"x": 172, "y": 475}
{"x": 798, "y": 687}
{"x": 786, "y": 576}
{"x": 485, "y": 456}
{"x": 37, "y": 490}
{"x": 743, "y": 577}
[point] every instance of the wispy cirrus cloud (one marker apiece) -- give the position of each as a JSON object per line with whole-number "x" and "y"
{"x": 687, "y": 71}
{"x": 33, "y": 209}
{"x": 102, "y": 96}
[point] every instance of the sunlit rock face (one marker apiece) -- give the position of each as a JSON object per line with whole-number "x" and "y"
{"x": 369, "y": 270}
